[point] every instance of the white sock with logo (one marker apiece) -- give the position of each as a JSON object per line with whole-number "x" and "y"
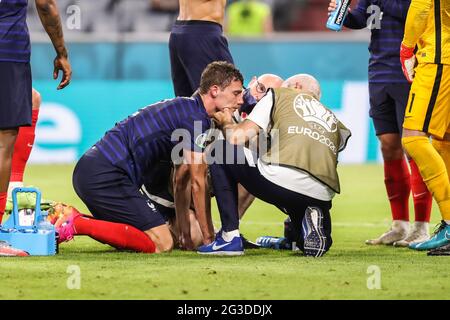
{"x": 228, "y": 236}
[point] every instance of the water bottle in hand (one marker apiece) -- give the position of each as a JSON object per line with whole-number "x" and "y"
{"x": 336, "y": 19}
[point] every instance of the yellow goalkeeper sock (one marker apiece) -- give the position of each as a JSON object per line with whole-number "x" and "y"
{"x": 443, "y": 148}
{"x": 433, "y": 170}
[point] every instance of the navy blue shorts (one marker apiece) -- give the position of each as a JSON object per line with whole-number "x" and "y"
{"x": 157, "y": 188}
{"x": 387, "y": 106}
{"x": 110, "y": 195}
{"x": 193, "y": 45}
{"x": 15, "y": 94}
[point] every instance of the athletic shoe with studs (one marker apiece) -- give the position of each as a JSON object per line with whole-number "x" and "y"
{"x": 440, "y": 251}
{"x": 314, "y": 237}
{"x": 441, "y": 237}
{"x": 6, "y": 250}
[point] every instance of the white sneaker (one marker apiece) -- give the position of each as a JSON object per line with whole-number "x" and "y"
{"x": 418, "y": 233}
{"x": 398, "y": 231}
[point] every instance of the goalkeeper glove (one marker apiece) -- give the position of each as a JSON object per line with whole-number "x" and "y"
{"x": 408, "y": 61}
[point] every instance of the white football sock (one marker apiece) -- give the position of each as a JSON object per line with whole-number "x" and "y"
{"x": 228, "y": 236}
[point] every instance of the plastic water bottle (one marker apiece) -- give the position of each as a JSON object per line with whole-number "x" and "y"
{"x": 44, "y": 226}
{"x": 336, "y": 19}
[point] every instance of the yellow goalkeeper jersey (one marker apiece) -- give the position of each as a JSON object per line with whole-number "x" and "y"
{"x": 428, "y": 27}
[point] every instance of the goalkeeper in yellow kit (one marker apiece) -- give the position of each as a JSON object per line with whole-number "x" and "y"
{"x": 428, "y": 109}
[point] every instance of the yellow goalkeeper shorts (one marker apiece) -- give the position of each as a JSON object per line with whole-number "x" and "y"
{"x": 428, "y": 108}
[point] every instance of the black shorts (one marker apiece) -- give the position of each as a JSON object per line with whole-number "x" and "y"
{"x": 15, "y": 94}
{"x": 193, "y": 45}
{"x": 387, "y": 106}
{"x": 110, "y": 195}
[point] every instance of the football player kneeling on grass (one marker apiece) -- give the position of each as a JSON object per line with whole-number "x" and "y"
{"x": 109, "y": 176}
{"x": 296, "y": 172}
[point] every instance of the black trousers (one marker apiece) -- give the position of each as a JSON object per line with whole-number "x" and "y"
{"x": 234, "y": 168}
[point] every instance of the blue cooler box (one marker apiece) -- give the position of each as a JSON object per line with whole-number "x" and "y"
{"x": 28, "y": 229}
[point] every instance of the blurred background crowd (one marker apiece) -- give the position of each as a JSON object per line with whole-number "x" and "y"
{"x": 140, "y": 16}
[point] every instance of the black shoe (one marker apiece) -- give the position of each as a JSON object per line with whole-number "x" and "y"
{"x": 440, "y": 251}
{"x": 248, "y": 244}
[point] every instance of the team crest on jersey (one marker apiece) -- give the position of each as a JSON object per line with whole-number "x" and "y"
{"x": 201, "y": 140}
{"x": 313, "y": 112}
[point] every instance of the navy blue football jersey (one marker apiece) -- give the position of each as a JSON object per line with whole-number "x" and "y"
{"x": 138, "y": 143}
{"x": 14, "y": 36}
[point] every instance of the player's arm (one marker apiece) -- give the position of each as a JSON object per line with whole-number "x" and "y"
{"x": 51, "y": 21}
{"x": 235, "y": 133}
{"x": 182, "y": 198}
{"x": 356, "y": 18}
{"x": 193, "y": 146}
{"x": 416, "y": 21}
{"x": 258, "y": 119}
{"x": 198, "y": 170}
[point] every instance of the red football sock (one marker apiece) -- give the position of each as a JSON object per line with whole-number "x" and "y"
{"x": 22, "y": 148}
{"x": 421, "y": 196}
{"x": 118, "y": 235}
{"x": 397, "y": 181}
{"x": 3, "y": 196}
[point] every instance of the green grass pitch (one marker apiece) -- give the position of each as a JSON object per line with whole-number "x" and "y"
{"x": 359, "y": 213}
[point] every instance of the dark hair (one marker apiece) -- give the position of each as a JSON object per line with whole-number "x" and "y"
{"x": 220, "y": 73}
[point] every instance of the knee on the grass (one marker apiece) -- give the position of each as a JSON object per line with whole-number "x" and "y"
{"x": 164, "y": 245}
{"x": 162, "y": 239}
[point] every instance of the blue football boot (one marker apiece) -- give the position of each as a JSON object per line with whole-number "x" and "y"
{"x": 441, "y": 237}
{"x": 221, "y": 247}
{"x": 277, "y": 243}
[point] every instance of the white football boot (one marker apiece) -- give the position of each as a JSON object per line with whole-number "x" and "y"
{"x": 418, "y": 233}
{"x": 398, "y": 231}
